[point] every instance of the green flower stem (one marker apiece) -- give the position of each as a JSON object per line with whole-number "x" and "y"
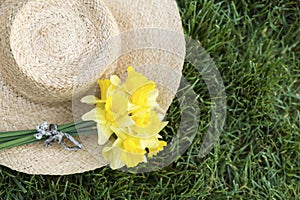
{"x": 88, "y": 130}
{"x": 16, "y": 133}
{"x": 29, "y": 141}
{"x": 84, "y": 132}
{"x": 65, "y": 126}
{"x": 85, "y": 124}
{"x": 17, "y": 142}
{"x": 17, "y": 138}
{"x": 78, "y": 127}
{"x": 11, "y": 138}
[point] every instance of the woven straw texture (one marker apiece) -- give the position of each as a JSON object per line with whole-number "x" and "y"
{"x": 44, "y": 47}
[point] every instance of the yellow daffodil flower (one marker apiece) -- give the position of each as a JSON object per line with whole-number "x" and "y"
{"x": 143, "y": 95}
{"x": 146, "y": 124}
{"x": 118, "y": 157}
{"x": 143, "y": 92}
{"x": 130, "y": 151}
{"x": 130, "y": 111}
{"x": 114, "y": 112}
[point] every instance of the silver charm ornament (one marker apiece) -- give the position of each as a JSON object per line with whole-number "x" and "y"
{"x": 53, "y": 135}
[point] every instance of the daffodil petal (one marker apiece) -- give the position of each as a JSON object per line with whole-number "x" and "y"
{"x": 153, "y": 151}
{"x": 132, "y": 107}
{"x": 104, "y": 86}
{"x": 153, "y": 144}
{"x": 151, "y": 98}
{"x": 115, "y": 80}
{"x": 161, "y": 116}
{"x": 140, "y": 95}
{"x": 119, "y": 132}
{"x": 124, "y": 121}
{"x": 104, "y": 133}
{"x": 133, "y": 159}
{"x": 119, "y": 108}
{"x": 142, "y": 120}
{"x": 149, "y": 142}
{"x": 113, "y": 154}
{"x": 90, "y": 99}
{"x": 135, "y": 80}
{"x": 133, "y": 145}
{"x": 153, "y": 128}
{"x": 119, "y": 103}
{"x": 97, "y": 115}
{"x": 118, "y": 157}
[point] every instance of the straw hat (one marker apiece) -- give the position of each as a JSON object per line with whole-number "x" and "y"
{"x": 46, "y": 45}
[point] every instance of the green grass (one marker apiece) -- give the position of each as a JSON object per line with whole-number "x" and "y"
{"x": 256, "y": 49}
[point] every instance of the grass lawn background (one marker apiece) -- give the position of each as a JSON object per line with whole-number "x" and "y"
{"x": 255, "y": 46}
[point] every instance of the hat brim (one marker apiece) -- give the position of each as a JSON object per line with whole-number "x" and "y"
{"x": 22, "y": 114}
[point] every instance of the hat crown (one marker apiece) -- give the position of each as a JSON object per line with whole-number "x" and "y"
{"x": 51, "y": 42}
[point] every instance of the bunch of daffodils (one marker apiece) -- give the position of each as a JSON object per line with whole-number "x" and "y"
{"x": 128, "y": 113}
